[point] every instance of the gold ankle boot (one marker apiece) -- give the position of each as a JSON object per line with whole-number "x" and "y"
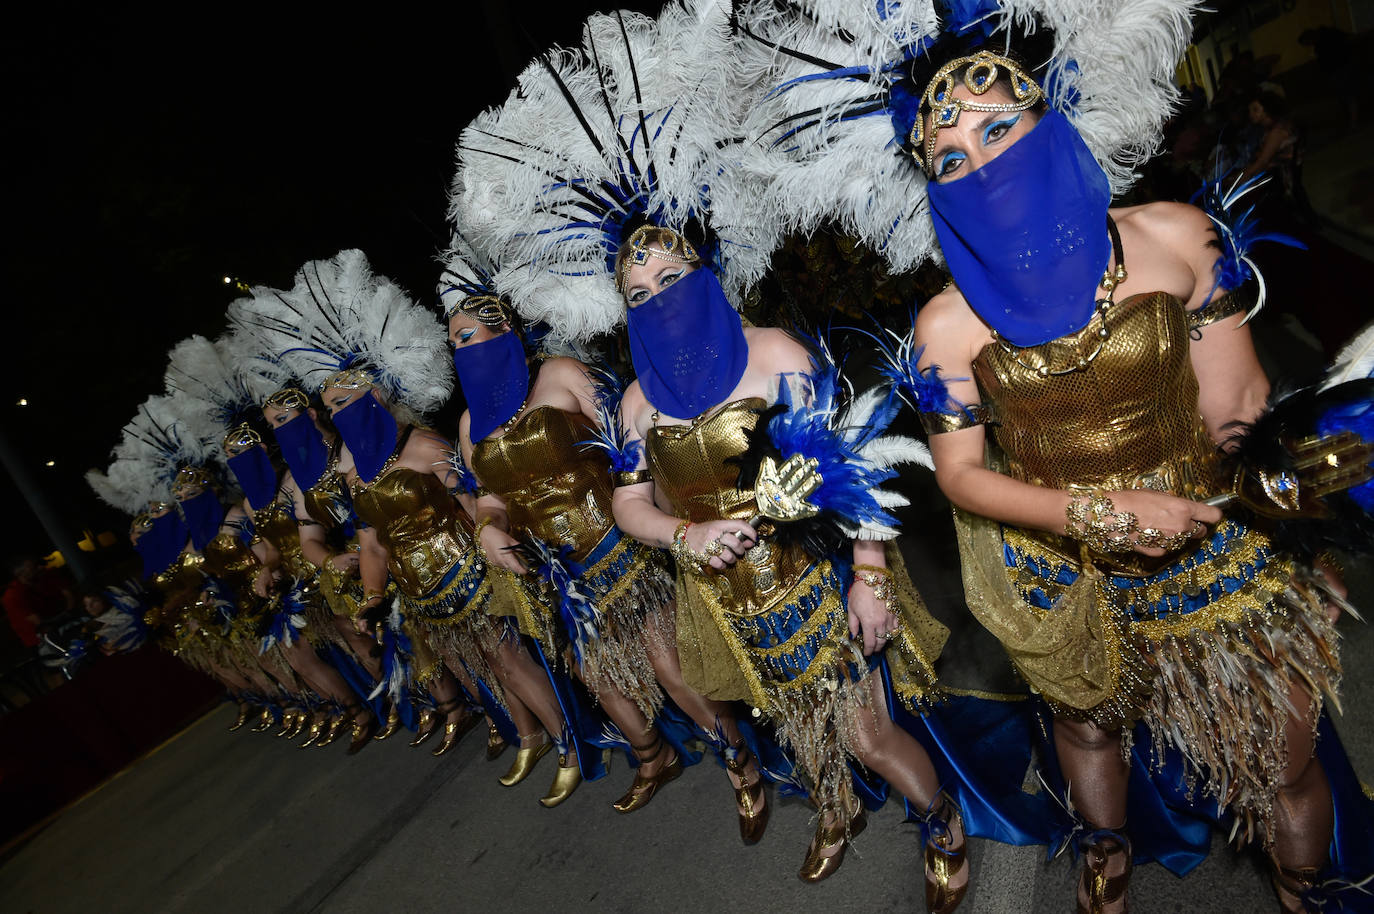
{"x": 393, "y": 723}
{"x": 643, "y": 788}
{"x": 454, "y": 730}
{"x": 318, "y": 728}
{"x": 429, "y": 723}
{"x": 749, "y": 799}
{"x": 288, "y": 722}
{"x": 525, "y": 760}
{"x": 242, "y": 719}
{"x": 565, "y": 781}
{"x": 826, "y": 853}
{"x": 264, "y": 723}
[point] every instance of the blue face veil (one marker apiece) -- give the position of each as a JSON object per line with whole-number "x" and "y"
{"x": 303, "y": 448}
{"x": 1025, "y": 235}
{"x": 256, "y": 476}
{"x": 370, "y": 433}
{"x": 687, "y": 346}
{"x": 204, "y": 514}
{"x": 495, "y": 379}
{"x": 161, "y": 543}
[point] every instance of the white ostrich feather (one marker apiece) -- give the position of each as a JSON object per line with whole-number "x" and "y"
{"x": 1353, "y": 362}
{"x": 641, "y": 118}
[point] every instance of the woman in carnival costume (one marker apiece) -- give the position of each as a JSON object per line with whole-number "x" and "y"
{"x": 379, "y": 364}
{"x": 158, "y": 463}
{"x": 261, "y": 552}
{"x": 718, "y": 430}
{"x": 544, "y": 514}
{"x": 1105, "y": 352}
{"x": 271, "y": 324}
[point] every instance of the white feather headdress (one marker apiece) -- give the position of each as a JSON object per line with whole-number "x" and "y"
{"x": 639, "y": 124}
{"x": 214, "y": 386}
{"x": 340, "y": 315}
{"x": 158, "y": 441}
{"x": 832, "y": 135}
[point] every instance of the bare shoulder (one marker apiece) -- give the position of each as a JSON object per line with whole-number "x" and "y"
{"x": 776, "y": 350}
{"x": 426, "y": 442}
{"x": 563, "y": 367}
{"x": 1178, "y": 226}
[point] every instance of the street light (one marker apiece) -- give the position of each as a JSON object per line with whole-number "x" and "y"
{"x": 50, "y": 463}
{"x": 23, "y": 402}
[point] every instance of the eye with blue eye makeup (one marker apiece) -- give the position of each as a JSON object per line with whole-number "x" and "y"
{"x": 998, "y": 129}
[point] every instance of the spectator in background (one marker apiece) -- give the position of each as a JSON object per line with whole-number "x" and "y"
{"x": 34, "y": 595}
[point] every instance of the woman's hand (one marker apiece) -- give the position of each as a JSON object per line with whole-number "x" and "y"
{"x": 496, "y": 544}
{"x": 1168, "y": 514}
{"x": 265, "y": 580}
{"x": 725, "y": 541}
{"x": 870, "y": 620}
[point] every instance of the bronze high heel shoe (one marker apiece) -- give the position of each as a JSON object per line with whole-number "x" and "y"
{"x": 753, "y": 814}
{"x": 264, "y": 723}
{"x": 944, "y": 859}
{"x": 334, "y": 728}
{"x": 318, "y": 728}
{"x": 826, "y": 853}
{"x": 644, "y": 787}
{"x": 496, "y": 743}
{"x": 393, "y": 723}
{"x": 244, "y": 711}
{"x": 429, "y": 723}
{"x": 363, "y": 730}
{"x": 1103, "y": 890}
{"x": 525, "y": 760}
{"x": 1295, "y": 882}
{"x": 454, "y": 730}
{"x": 288, "y": 722}
{"x": 565, "y": 781}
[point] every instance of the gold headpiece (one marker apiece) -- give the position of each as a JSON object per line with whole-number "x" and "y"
{"x": 158, "y": 507}
{"x": 944, "y": 109}
{"x": 288, "y": 398}
{"x": 241, "y": 437}
{"x": 189, "y": 476}
{"x": 142, "y": 523}
{"x": 672, "y": 247}
{"x": 487, "y": 310}
{"x": 350, "y": 379}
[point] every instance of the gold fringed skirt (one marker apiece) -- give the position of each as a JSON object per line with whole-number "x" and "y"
{"x": 1208, "y": 653}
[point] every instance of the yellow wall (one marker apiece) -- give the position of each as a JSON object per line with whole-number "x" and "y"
{"x": 1280, "y": 35}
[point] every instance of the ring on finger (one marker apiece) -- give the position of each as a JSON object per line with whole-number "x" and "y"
{"x": 714, "y": 548}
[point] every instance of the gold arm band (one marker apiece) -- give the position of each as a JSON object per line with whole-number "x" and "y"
{"x": 632, "y": 478}
{"x": 1237, "y": 301}
{"x": 937, "y": 423}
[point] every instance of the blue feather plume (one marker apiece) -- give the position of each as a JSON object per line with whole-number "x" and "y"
{"x": 576, "y": 605}
{"x": 610, "y": 436}
{"x": 804, "y": 427}
{"x": 465, "y": 482}
{"x": 396, "y": 654}
{"x": 921, "y": 388}
{"x": 1237, "y": 234}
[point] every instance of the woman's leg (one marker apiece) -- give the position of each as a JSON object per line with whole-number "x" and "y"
{"x": 1303, "y": 815}
{"x": 1097, "y": 776}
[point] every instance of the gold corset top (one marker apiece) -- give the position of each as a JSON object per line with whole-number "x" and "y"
{"x": 1127, "y": 419}
{"x": 424, "y": 530}
{"x": 688, "y": 467}
{"x": 276, "y": 524}
{"x": 183, "y": 579}
{"x": 229, "y": 558}
{"x": 328, "y": 502}
{"x": 552, "y": 486}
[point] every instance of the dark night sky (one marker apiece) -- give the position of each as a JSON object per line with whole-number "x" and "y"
{"x": 147, "y": 157}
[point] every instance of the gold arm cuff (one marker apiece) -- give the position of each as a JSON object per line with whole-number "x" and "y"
{"x": 937, "y": 423}
{"x": 481, "y": 490}
{"x": 632, "y": 478}
{"x": 1218, "y": 309}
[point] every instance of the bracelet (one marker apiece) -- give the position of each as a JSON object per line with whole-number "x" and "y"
{"x": 687, "y": 558}
{"x": 477, "y": 536}
{"x": 370, "y": 595}
{"x": 1094, "y": 521}
{"x": 632, "y": 478}
{"x": 876, "y": 578}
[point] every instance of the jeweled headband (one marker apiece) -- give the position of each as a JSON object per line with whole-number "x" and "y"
{"x": 189, "y": 476}
{"x": 672, "y": 247}
{"x": 350, "y": 379}
{"x": 288, "y": 398}
{"x": 944, "y": 109}
{"x": 241, "y": 437}
{"x": 487, "y": 310}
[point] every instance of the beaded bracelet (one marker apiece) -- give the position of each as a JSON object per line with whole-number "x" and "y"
{"x": 688, "y": 559}
{"x": 477, "y": 536}
{"x": 876, "y": 578}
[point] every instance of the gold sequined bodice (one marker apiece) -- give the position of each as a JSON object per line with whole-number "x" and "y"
{"x": 229, "y": 558}
{"x": 327, "y": 501}
{"x": 552, "y": 486}
{"x": 277, "y": 524}
{"x": 181, "y": 581}
{"x": 688, "y": 467}
{"x": 424, "y": 530}
{"x": 1127, "y": 419}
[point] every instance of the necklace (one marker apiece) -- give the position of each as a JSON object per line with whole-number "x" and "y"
{"x": 1111, "y": 279}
